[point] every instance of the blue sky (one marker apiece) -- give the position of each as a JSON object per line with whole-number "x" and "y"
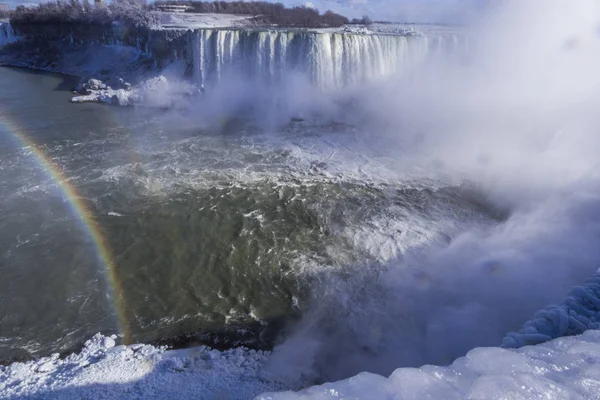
{"x": 446, "y": 11}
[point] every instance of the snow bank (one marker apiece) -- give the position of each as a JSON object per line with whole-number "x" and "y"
{"x": 566, "y": 368}
{"x": 578, "y": 313}
{"x": 382, "y": 29}
{"x": 201, "y": 21}
{"x": 105, "y": 371}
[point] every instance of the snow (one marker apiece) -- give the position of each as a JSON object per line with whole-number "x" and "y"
{"x": 200, "y": 21}
{"x": 209, "y": 21}
{"x": 381, "y": 29}
{"x": 568, "y": 367}
{"x": 565, "y": 368}
{"x": 103, "y": 370}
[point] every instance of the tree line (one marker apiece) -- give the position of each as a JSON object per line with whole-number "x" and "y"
{"x": 267, "y": 13}
{"x": 83, "y": 12}
{"x": 137, "y": 13}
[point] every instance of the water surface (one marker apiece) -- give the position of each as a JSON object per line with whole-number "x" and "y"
{"x": 223, "y": 233}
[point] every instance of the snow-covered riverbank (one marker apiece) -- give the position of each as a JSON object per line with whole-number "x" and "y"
{"x": 567, "y": 367}
{"x": 105, "y": 371}
{"x": 563, "y": 368}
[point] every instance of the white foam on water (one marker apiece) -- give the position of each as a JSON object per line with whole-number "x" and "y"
{"x": 516, "y": 117}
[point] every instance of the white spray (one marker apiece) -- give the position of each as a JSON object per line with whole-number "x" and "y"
{"x": 518, "y": 116}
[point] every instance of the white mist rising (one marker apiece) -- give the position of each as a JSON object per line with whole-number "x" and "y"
{"x": 518, "y": 115}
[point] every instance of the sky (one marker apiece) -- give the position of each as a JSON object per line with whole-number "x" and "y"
{"x": 435, "y": 11}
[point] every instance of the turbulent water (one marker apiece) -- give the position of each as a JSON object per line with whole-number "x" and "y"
{"x": 329, "y": 60}
{"x": 227, "y": 231}
{"x": 400, "y": 224}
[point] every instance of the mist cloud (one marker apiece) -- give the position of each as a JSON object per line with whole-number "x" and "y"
{"x": 516, "y": 114}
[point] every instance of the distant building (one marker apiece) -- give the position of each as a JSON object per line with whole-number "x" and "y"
{"x": 172, "y": 8}
{"x": 4, "y": 7}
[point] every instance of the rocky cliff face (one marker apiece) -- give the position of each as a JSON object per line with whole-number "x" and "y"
{"x": 95, "y": 50}
{"x": 161, "y": 45}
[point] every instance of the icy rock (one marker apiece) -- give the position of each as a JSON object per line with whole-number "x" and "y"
{"x": 119, "y": 351}
{"x": 86, "y": 85}
{"x": 117, "y": 83}
{"x": 123, "y": 97}
{"x": 565, "y": 368}
{"x": 92, "y": 91}
{"x": 46, "y": 367}
{"x": 579, "y": 312}
{"x": 108, "y": 342}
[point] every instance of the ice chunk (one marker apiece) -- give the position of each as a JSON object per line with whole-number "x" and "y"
{"x": 579, "y": 312}
{"x": 545, "y": 371}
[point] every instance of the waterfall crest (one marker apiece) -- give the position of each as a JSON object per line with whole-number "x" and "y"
{"x": 329, "y": 60}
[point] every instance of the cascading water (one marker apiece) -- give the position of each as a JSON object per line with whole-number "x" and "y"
{"x": 329, "y": 60}
{"x": 7, "y": 35}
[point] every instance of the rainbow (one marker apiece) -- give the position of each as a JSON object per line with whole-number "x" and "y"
{"x": 84, "y": 215}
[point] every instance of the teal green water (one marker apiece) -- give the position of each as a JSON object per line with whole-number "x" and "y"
{"x": 220, "y": 233}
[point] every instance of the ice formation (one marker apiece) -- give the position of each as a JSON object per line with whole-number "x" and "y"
{"x": 154, "y": 92}
{"x": 568, "y": 367}
{"x": 578, "y": 313}
{"x": 565, "y": 368}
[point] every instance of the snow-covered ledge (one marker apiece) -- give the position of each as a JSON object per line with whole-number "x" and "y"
{"x": 565, "y": 368}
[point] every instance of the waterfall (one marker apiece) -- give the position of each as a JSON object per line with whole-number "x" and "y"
{"x": 328, "y": 60}
{"x": 7, "y": 34}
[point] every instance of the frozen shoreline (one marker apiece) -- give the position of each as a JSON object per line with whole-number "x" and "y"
{"x": 105, "y": 371}
{"x": 565, "y": 367}
{"x": 568, "y": 367}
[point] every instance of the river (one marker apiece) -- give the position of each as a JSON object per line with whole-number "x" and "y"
{"x": 129, "y": 221}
